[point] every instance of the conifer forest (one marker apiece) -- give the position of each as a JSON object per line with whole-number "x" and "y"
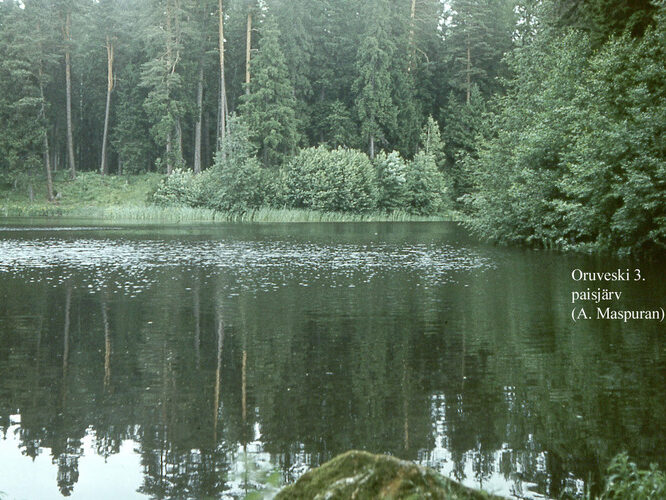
{"x": 536, "y": 122}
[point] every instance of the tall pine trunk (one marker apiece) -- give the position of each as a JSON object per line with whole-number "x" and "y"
{"x": 47, "y": 156}
{"x": 197, "y": 128}
{"x": 248, "y": 51}
{"x": 179, "y": 143}
{"x": 104, "y": 168}
{"x": 222, "y": 125}
{"x": 68, "y": 83}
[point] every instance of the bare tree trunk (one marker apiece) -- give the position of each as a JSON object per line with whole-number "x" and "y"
{"x": 42, "y": 115}
{"x": 248, "y": 51}
{"x": 372, "y": 147}
{"x": 47, "y": 156}
{"x": 56, "y": 148}
{"x": 223, "y": 93}
{"x": 206, "y": 139}
{"x": 179, "y": 143}
{"x": 104, "y": 168}
{"x": 197, "y": 128}
{"x": 169, "y": 153}
{"x": 171, "y": 62}
{"x": 68, "y": 81}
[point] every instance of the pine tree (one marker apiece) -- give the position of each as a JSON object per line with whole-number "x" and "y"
{"x": 478, "y": 36}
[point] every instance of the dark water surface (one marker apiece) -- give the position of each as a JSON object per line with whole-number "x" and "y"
{"x": 221, "y": 360}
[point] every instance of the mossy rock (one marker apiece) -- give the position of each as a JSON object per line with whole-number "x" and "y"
{"x": 362, "y": 475}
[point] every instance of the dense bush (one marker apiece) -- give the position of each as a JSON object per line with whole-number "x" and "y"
{"x": 236, "y": 186}
{"x": 179, "y": 188}
{"x": 341, "y": 180}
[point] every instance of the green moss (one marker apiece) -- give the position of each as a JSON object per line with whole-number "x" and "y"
{"x": 358, "y": 474}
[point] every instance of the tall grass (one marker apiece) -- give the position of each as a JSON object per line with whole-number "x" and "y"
{"x": 189, "y": 214}
{"x": 305, "y": 215}
{"x": 183, "y": 214}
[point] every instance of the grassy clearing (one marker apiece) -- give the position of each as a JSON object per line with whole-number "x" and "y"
{"x": 128, "y": 198}
{"x": 88, "y": 195}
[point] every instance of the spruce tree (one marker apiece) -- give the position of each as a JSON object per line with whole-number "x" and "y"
{"x": 20, "y": 100}
{"x": 270, "y": 108}
{"x": 161, "y": 76}
{"x": 431, "y": 142}
{"x": 372, "y": 87}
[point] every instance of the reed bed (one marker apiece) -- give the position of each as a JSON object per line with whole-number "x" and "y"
{"x": 188, "y": 214}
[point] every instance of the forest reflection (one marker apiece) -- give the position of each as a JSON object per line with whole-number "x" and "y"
{"x": 225, "y": 389}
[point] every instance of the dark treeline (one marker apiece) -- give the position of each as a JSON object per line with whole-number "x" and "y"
{"x": 549, "y": 115}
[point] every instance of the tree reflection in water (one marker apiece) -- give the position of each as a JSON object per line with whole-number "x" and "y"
{"x": 224, "y": 387}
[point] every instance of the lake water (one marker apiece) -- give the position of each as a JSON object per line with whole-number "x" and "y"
{"x": 219, "y": 361}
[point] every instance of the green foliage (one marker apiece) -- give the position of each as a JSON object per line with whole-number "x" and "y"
{"x": 130, "y": 136}
{"x": 426, "y": 191}
{"x": 479, "y": 34}
{"x": 571, "y": 160}
{"x": 372, "y": 87}
{"x": 20, "y": 101}
{"x": 331, "y": 180}
{"x": 340, "y": 128}
{"x": 431, "y": 142}
{"x": 550, "y": 134}
{"x": 605, "y": 18}
{"x": 179, "y": 188}
{"x": 82, "y": 195}
{"x": 391, "y": 181}
{"x": 236, "y": 186}
{"x": 626, "y": 481}
{"x": 236, "y": 183}
{"x": 462, "y": 123}
{"x": 270, "y": 108}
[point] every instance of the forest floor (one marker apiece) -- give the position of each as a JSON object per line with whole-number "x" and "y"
{"x": 130, "y": 198}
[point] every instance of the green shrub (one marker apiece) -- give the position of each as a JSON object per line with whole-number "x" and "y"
{"x": 179, "y": 188}
{"x": 342, "y": 180}
{"x": 235, "y": 187}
